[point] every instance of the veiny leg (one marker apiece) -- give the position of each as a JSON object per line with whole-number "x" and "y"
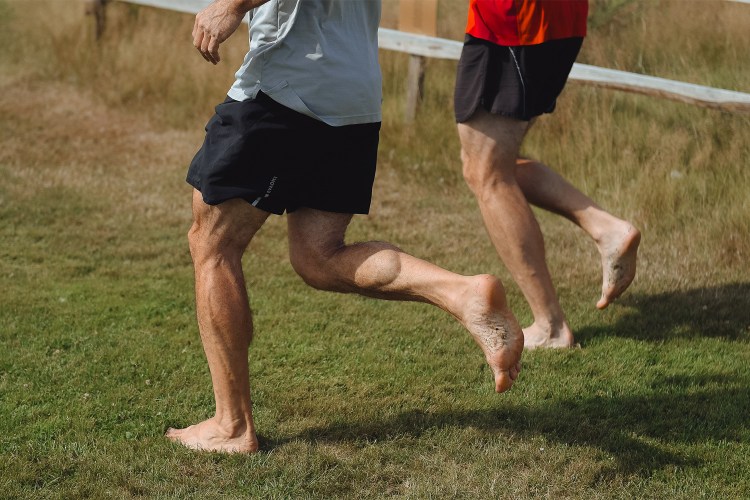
{"x": 218, "y": 238}
{"x": 490, "y": 146}
{"x": 617, "y": 240}
{"x": 377, "y": 269}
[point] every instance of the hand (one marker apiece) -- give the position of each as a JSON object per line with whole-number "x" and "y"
{"x": 214, "y": 24}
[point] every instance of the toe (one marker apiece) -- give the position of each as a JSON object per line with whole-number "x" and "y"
{"x": 503, "y": 382}
{"x": 173, "y": 433}
{"x": 603, "y": 302}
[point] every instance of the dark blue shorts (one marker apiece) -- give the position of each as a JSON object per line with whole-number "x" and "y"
{"x": 517, "y": 82}
{"x": 280, "y": 160}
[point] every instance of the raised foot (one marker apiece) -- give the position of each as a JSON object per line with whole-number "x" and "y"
{"x": 210, "y": 436}
{"x": 536, "y": 337}
{"x": 619, "y": 254}
{"x": 494, "y": 328}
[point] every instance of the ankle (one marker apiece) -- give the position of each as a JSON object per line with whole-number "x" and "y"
{"x": 611, "y": 230}
{"x": 552, "y": 328}
{"x": 234, "y": 427}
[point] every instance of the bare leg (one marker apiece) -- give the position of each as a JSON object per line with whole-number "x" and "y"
{"x": 490, "y": 146}
{"x": 376, "y": 269}
{"x": 218, "y": 238}
{"x": 617, "y": 240}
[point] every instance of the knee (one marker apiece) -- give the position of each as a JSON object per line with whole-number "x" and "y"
{"x": 200, "y": 245}
{"x": 469, "y": 170}
{"x": 312, "y": 266}
{"x": 478, "y": 169}
{"x": 195, "y": 240}
{"x": 486, "y": 170}
{"x": 206, "y": 245}
{"x": 351, "y": 269}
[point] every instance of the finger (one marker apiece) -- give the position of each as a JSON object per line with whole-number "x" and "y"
{"x": 204, "y": 47}
{"x": 198, "y": 42}
{"x": 197, "y": 35}
{"x": 213, "y": 49}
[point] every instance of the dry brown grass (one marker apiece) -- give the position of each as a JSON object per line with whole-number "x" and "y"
{"x": 81, "y": 144}
{"x": 700, "y": 41}
{"x": 145, "y": 61}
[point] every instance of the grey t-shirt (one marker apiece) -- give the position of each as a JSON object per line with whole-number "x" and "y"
{"x": 317, "y": 57}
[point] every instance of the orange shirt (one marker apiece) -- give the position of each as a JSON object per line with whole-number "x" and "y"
{"x": 526, "y": 22}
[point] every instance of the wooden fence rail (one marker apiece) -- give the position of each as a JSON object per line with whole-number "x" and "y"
{"x": 729, "y": 100}
{"x": 421, "y": 46}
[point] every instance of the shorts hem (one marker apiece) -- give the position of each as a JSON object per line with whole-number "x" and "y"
{"x": 505, "y": 114}
{"x": 253, "y": 200}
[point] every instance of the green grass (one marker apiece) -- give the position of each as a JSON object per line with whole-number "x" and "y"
{"x": 99, "y": 351}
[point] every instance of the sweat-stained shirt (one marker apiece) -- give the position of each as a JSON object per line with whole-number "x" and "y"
{"x": 512, "y": 23}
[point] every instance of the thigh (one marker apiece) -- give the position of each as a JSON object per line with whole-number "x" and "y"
{"x": 231, "y": 224}
{"x": 492, "y": 141}
{"x": 316, "y": 233}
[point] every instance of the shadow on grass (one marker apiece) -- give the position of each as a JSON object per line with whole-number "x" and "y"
{"x": 642, "y": 434}
{"x": 718, "y": 312}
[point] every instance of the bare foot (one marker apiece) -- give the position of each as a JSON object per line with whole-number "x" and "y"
{"x": 494, "y": 328}
{"x": 210, "y": 436}
{"x": 619, "y": 252}
{"x": 537, "y": 337}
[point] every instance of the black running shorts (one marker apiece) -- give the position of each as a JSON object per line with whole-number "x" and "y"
{"x": 280, "y": 160}
{"x": 518, "y": 82}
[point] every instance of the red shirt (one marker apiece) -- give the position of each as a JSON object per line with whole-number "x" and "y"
{"x": 526, "y": 22}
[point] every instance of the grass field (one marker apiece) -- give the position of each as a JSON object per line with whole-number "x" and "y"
{"x": 99, "y": 351}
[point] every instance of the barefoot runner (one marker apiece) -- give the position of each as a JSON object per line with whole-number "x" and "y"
{"x": 298, "y": 133}
{"x": 515, "y": 62}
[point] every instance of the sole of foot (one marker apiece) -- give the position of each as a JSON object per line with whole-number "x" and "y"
{"x": 618, "y": 266}
{"x": 493, "y": 326}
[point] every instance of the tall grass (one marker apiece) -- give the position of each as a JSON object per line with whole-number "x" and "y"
{"x": 354, "y": 398}
{"x": 145, "y": 60}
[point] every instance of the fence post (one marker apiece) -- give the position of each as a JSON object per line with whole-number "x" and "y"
{"x": 98, "y": 9}
{"x": 416, "y": 16}
{"x": 414, "y": 87}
